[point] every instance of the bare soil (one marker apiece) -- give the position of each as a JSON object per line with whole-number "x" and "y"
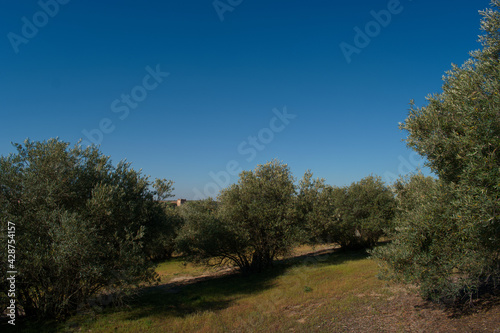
{"x": 406, "y": 311}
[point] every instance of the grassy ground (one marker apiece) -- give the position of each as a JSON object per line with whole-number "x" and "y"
{"x": 327, "y": 292}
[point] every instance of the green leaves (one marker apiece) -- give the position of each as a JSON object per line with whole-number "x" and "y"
{"x": 84, "y": 225}
{"x": 355, "y": 216}
{"x": 442, "y": 241}
{"x": 251, "y": 224}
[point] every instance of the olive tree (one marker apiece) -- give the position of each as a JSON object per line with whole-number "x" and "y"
{"x": 313, "y": 209}
{"x": 458, "y": 132}
{"x": 354, "y": 216}
{"x": 83, "y": 226}
{"x": 364, "y": 212}
{"x": 429, "y": 242}
{"x": 206, "y": 238}
{"x": 252, "y": 223}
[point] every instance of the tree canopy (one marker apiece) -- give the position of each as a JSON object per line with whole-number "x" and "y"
{"x": 83, "y": 226}
{"x": 448, "y": 235}
{"x": 252, "y": 223}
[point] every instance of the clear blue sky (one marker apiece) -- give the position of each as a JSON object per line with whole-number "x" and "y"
{"x": 80, "y": 65}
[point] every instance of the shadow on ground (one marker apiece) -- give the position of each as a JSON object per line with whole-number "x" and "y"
{"x": 208, "y": 293}
{"x": 219, "y": 292}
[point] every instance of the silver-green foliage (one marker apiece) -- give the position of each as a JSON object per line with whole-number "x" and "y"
{"x": 252, "y": 223}
{"x": 448, "y": 237}
{"x": 354, "y": 216}
{"x": 82, "y": 225}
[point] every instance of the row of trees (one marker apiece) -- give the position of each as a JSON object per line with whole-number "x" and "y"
{"x": 84, "y": 226}
{"x": 445, "y": 231}
{"x": 264, "y": 215}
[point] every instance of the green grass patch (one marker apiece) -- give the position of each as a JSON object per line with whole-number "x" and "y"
{"x": 177, "y": 268}
{"x": 304, "y": 294}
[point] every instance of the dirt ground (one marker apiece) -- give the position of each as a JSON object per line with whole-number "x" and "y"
{"x": 407, "y": 312}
